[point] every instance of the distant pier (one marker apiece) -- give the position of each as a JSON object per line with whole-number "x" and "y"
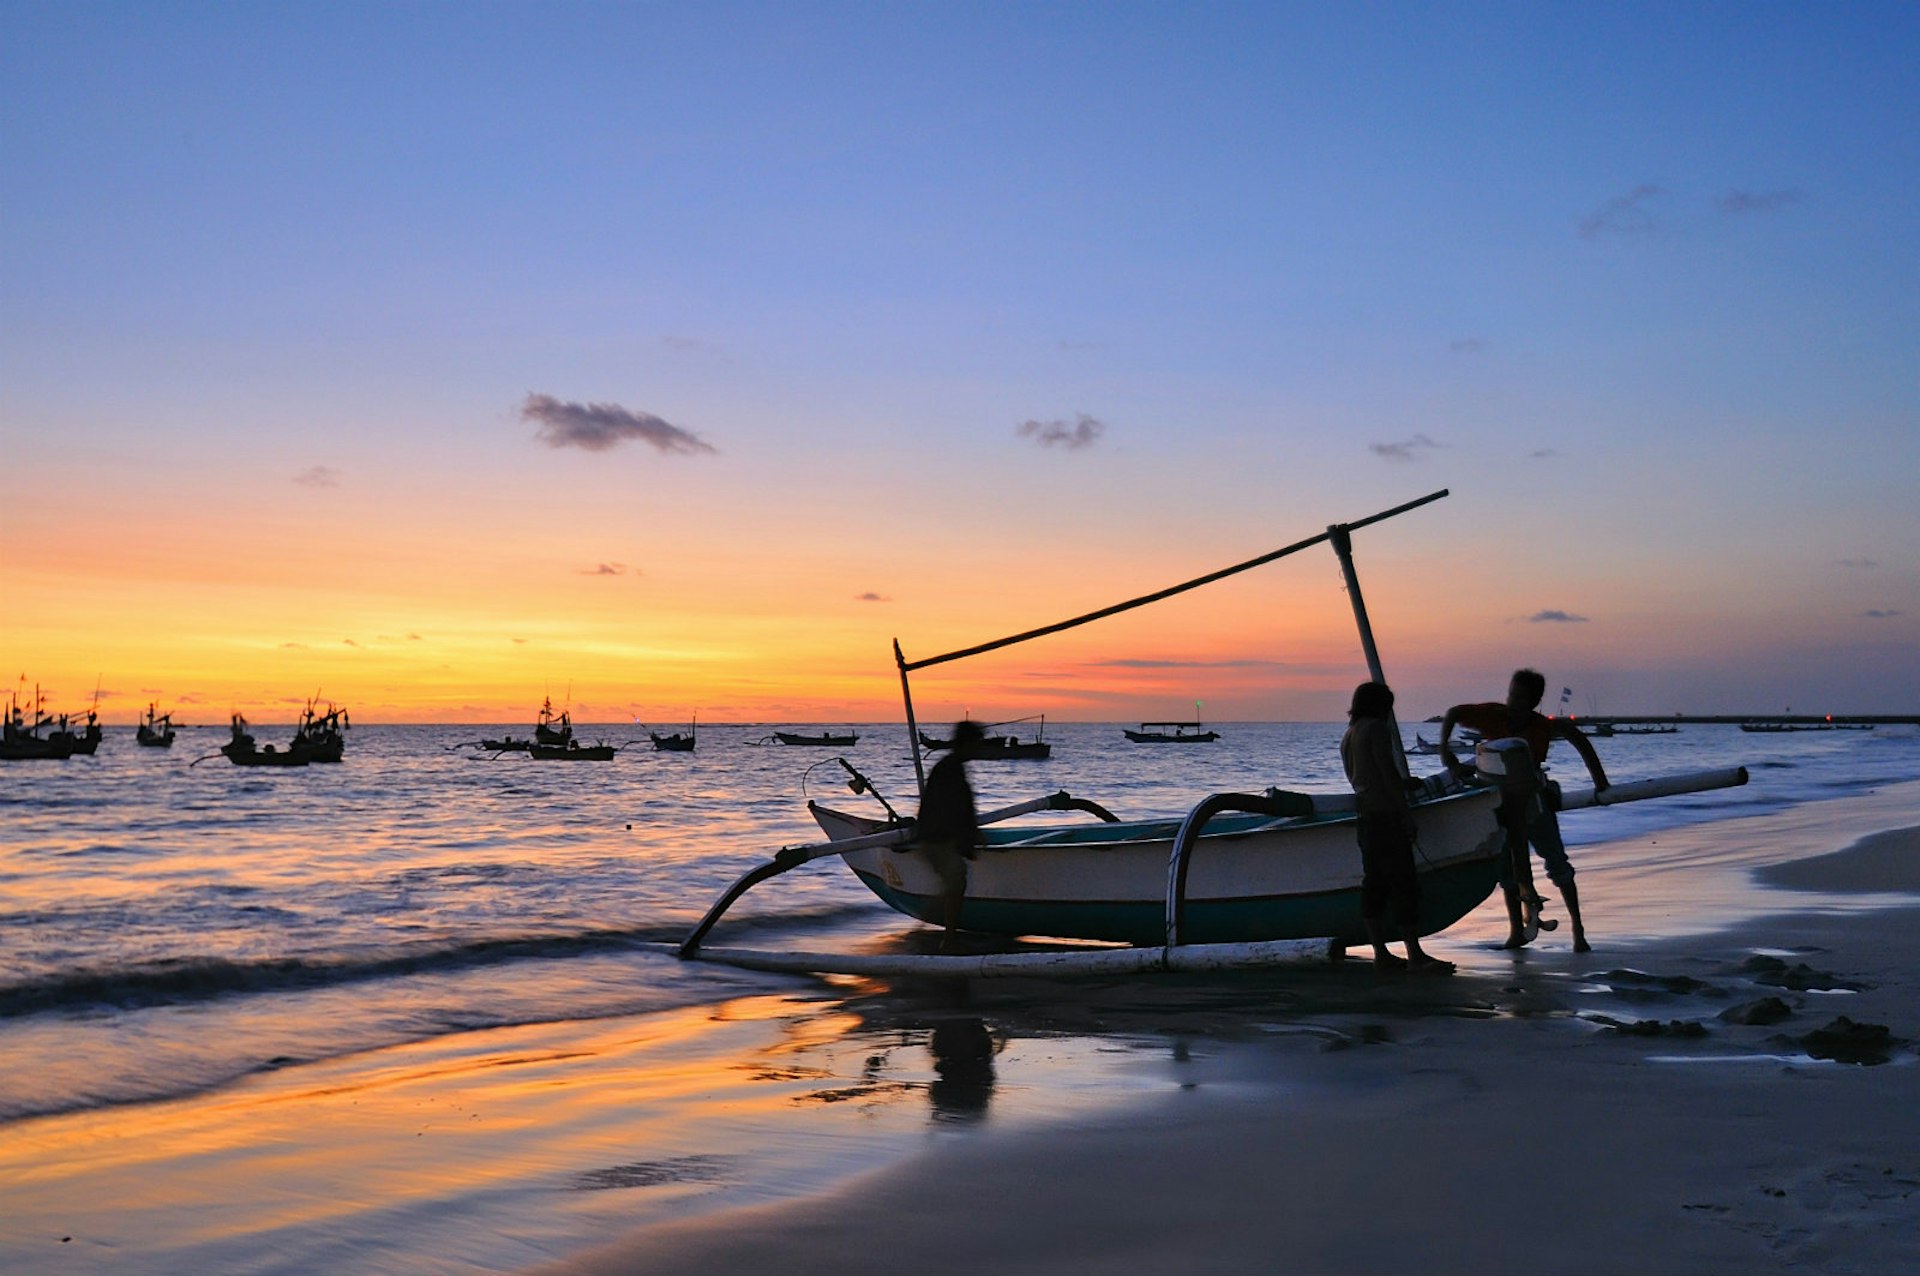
{"x": 1735, "y": 719}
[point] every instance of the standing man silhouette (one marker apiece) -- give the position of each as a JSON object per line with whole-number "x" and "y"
{"x": 1528, "y": 815}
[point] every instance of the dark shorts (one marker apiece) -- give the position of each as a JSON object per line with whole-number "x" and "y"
{"x": 1529, "y": 819}
{"x": 1389, "y": 882}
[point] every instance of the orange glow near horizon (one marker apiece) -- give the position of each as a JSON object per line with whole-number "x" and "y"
{"x": 753, "y": 622}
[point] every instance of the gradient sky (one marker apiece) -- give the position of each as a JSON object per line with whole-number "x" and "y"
{"x": 439, "y": 357}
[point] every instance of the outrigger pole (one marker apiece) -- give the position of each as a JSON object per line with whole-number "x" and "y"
{"x": 1341, "y": 534}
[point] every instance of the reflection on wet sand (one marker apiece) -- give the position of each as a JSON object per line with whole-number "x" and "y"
{"x": 963, "y": 1059}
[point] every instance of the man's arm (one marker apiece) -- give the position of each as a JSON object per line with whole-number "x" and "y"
{"x": 1447, "y": 757}
{"x": 1584, "y": 747}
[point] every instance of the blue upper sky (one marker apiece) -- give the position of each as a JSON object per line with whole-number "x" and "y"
{"x": 1639, "y": 277}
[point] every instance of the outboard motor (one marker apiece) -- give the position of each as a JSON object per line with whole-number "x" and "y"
{"x": 1508, "y": 762}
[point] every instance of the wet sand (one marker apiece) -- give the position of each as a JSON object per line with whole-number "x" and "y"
{"x": 1560, "y": 1114}
{"x": 1536, "y": 1111}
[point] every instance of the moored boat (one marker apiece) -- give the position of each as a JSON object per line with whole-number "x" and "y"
{"x": 86, "y": 740}
{"x": 553, "y": 728}
{"x": 22, "y": 740}
{"x": 319, "y": 735}
{"x": 1180, "y": 733}
{"x": 241, "y": 750}
{"x": 155, "y": 731}
{"x": 1001, "y": 748}
{"x": 572, "y": 751}
{"x": 1236, "y": 873}
{"x": 676, "y": 741}
{"x": 825, "y": 739}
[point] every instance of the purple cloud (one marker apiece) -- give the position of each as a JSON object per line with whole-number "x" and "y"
{"x": 1622, "y": 215}
{"x": 1737, "y": 202}
{"x": 597, "y": 427}
{"x": 1084, "y": 432}
{"x": 1406, "y": 449}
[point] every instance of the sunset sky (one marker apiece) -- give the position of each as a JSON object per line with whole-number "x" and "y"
{"x": 678, "y": 357}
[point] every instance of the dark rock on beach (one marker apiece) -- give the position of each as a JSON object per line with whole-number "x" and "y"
{"x": 1764, "y": 1011}
{"x": 1799, "y": 977}
{"x": 1845, "y": 1041}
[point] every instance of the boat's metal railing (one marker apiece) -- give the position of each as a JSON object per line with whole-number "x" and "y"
{"x": 791, "y": 857}
{"x": 1279, "y": 807}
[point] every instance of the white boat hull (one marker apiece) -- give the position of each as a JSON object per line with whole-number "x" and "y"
{"x": 1251, "y": 878}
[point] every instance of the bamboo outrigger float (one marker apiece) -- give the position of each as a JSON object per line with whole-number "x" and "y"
{"x": 1238, "y": 881}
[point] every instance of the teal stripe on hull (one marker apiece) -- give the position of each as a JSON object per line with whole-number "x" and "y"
{"x": 1446, "y": 895}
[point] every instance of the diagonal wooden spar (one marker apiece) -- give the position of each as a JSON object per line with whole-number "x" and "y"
{"x": 908, "y": 666}
{"x": 1340, "y": 535}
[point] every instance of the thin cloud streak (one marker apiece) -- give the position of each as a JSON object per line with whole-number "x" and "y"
{"x": 1737, "y": 203}
{"x": 318, "y": 476}
{"x": 1185, "y": 664}
{"x": 1554, "y": 616}
{"x": 1622, "y": 215}
{"x": 1084, "y": 432}
{"x": 1406, "y": 449}
{"x": 598, "y": 427}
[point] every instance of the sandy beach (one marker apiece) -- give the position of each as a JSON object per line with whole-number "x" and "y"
{"x": 1645, "y": 1107}
{"x": 1558, "y": 1114}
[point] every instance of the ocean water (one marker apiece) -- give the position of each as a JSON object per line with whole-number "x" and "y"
{"x": 168, "y": 927}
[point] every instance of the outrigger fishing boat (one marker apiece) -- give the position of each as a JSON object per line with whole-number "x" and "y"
{"x": 1181, "y": 733}
{"x": 551, "y": 728}
{"x": 155, "y": 731}
{"x": 319, "y": 734}
{"x": 1233, "y": 882}
{"x": 1001, "y": 748}
{"x": 86, "y": 740}
{"x": 573, "y": 751}
{"x": 21, "y": 741}
{"x": 826, "y": 739}
{"x": 242, "y": 751}
{"x": 675, "y": 741}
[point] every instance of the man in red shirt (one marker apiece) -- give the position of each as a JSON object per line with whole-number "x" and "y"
{"x": 1528, "y": 817}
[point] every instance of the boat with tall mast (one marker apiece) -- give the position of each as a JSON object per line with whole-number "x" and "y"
{"x": 1237, "y": 871}
{"x": 155, "y": 731}
{"x": 26, "y": 734}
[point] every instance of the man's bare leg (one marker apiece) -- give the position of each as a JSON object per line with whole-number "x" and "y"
{"x": 1572, "y": 896}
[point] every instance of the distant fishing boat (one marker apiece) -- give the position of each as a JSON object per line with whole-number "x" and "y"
{"x": 572, "y": 751}
{"x": 676, "y": 741}
{"x": 319, "y": 734}
{"x": 551, "y": 728}
{"x": 1001, "y": 748}
{"x": 1180, "y": 733}
{"x": 155, "y": 731}
{"x": 85, "y": 741}
{"x": 827, "y": 739}
{"x": 21, "y": 741}
{"x": 242, "y": 751}
{"x": 1649, "y": 729}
